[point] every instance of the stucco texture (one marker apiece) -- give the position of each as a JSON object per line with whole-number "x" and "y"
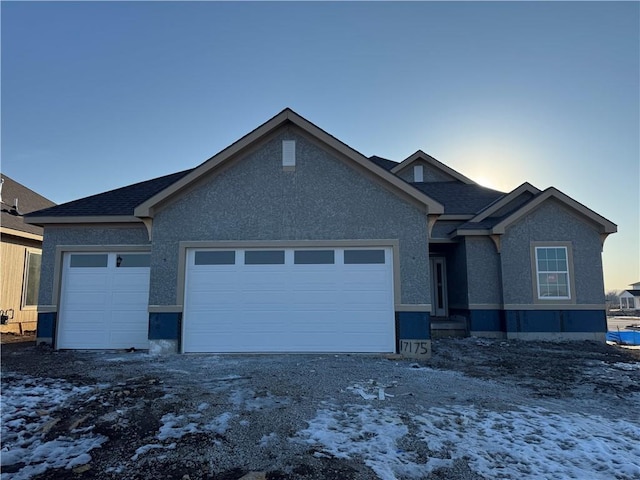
{"x": 552, "y": 221}
{"x": 483, "y": 271}
{"x": 324, "y": 198}
{"x": 90, "y": 235}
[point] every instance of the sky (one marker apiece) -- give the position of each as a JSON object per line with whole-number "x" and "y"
{"x": 99, "y": 95}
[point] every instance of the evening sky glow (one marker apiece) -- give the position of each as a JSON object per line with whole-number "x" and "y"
{"x": 99, "y": 95}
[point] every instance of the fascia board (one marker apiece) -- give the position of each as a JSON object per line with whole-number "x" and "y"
{"x": 420, "y": 155}
{"x": 606, "y": 226}
{"x": 471, "y": 232}
{"x": 145, "y": 209}
{"x": 501, "y": 202}
{"x": 82, "y": 219}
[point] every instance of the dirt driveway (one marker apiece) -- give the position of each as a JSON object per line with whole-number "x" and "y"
{"x": 478, "y": 409}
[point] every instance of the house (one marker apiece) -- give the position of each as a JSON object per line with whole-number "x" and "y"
{"x": 630, "y": 299}
{"x": 290, "y": 240}
{"x": 21, "y": 251}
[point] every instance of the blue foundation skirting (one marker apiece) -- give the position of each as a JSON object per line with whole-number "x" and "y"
{"x": 165, "y": 325}
{"x": 530, "y": 321}
{"x": 46, "y": 325}
{"x": 564, "y": 321}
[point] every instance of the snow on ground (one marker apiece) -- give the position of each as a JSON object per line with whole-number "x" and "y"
{"x": 519, "y": 444}
{"x": 27, "y": 405}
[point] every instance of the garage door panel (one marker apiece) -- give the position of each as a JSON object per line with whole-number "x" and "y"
{"x": 264, "y": 298}
{"x": 87, "y": 300}
{"x": 129, "y": 300}
{"x": 106, "y": 307}
{"x": 86, "y": 282}
{"x": 291, "y": 307}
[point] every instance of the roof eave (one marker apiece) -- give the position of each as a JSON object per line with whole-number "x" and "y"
{"x": 19, "y": 233}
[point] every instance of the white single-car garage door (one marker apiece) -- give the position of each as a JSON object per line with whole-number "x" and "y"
{"x": 289, "y": 300}
{"x": 103, "y": 301}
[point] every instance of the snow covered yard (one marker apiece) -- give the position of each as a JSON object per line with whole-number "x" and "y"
{"x": 479, "y": 409}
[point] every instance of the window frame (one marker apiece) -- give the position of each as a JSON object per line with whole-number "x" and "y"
{"x": 26, "y": 277}
{"x": 570, "y": 298}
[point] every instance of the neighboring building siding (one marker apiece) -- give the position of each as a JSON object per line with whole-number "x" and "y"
{"x": 323, "y": 199}
{"x": 551, "y": 222}
{"x": 13, "y": 254}
{"x": 136, "y": 234}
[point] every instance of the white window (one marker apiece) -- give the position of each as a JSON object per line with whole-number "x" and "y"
{"x": 31, "y": 279}
{"x": 552, "y": 273}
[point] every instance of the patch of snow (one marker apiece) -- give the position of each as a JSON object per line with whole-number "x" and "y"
{"x": 627, "y": 366}
{"x": 366, "y": 432}
{"x": 523, "y": 443}
{"x": 220, "y": 424}
{"x": 535, "y": 442}
{"x": 27, "y": 408}
{"x": 175, "y": 426}
{"x": 267, "y": 439}
{"x": 152, "y": 446}
{"x": 248, "y": 400}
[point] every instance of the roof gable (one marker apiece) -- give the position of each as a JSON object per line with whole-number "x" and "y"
{"x": 440, "y": 167}
{"x": 604, "y": 226}
{"x": 12, "y": 215}
{"x": 494, "y": 208}
{"x": 287, "y": 116}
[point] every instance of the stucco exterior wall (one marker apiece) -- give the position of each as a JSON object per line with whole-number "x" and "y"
{"x": 457, "y": 277}
{"x": 54, "y": 236}
{"x": 551, "y": 221}
{"x": 483, "y": 271}
{"x": 323, "y": 199}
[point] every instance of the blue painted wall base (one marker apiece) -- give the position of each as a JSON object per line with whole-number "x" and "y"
{"x": 413, "y": 334}
{"x": 556, "y": 321}
{"x": 46, "y": 329}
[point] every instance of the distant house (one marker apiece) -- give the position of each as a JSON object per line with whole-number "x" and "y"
{"x": 21, "y": 251}
{"x": 289, "y": 240}
{"x": 630, "y": 299}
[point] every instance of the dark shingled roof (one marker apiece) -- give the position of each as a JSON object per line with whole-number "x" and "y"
{"x": 383, "y": 162}
{"x": 459, "y": 198}
{"x": 635, "y": 293}
{"x": 28, "y": 201}
{"x": 121, "y": 201}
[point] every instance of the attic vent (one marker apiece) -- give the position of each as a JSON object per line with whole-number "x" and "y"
{"x": 418, "y": 173}
{"x": 289, "y": 153}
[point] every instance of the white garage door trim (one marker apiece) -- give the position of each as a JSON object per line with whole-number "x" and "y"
{"x": 104, "y": 300}
{"x": 289, "y": 299}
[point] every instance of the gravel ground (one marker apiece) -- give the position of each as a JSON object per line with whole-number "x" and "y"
{"x": 327, "y": 417}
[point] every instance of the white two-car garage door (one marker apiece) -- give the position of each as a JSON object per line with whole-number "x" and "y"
{"x": 289, "y": 300}
{"x": 103, "y": 301}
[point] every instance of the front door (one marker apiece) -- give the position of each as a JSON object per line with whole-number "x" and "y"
{"x": 438, "y": 287}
